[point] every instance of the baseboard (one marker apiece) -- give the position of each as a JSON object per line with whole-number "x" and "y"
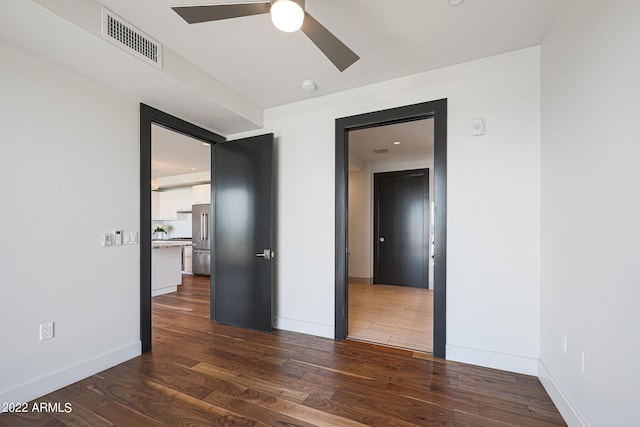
{"x": 309, "y": 328}
{"x": 495, "y": 360}
{"x": 361, "y": 280}
{"x": 55, "y": 381}
{"x": 162, "y": 291}
{"x": 567, "y": 410}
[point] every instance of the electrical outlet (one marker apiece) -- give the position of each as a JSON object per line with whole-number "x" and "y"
{"x": 46, "y": 331}
{"x": 563, "y": 343}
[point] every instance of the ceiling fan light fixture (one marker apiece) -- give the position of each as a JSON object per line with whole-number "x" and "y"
{"x": 287, "y": 15}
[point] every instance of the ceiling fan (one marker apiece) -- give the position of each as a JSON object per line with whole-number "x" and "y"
{"x": 286, "y": 15}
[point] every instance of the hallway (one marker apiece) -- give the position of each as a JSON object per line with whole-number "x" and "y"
{"x": 397, "y": 316}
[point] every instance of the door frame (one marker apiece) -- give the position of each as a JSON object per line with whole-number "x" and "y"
{"x": 377, "y": 176}
{"x": 149, "y": 116}
{"x": 432, "y": 109}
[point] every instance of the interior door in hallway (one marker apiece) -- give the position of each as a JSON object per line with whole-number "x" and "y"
{"x": 401, "y": 226}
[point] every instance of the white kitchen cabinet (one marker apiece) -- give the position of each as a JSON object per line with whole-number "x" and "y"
{"x": 155, "y": 205}
{"x": 201, "y": 194}
{"x": 165, "y": 205}
{"x": 160, "y": 206}
{"x": 168, "y": 205}
{"x": 183, "y": 199}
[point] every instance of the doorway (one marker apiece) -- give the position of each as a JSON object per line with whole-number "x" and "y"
{"x": 389, "y": 301}
{"x": 241, "y": 218}
{"x": 150, "y": 117}
{"x": 180, "y": 268}
{"x": 437, "y": 111}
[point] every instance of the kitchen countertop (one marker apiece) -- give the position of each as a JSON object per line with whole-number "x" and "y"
{"x": 165, "y": 244}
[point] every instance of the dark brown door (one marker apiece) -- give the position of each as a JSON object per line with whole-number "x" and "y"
{"x": 242, "y": 270}
{"x": 401, "y": 228}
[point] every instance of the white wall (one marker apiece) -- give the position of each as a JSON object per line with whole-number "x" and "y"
{"x": 591, "y": 211}
{"x": 493, "y": 204}
{"x": 180, "y": 227}
{"x": 69, "y": 168}
{"x": 360, "y": 225}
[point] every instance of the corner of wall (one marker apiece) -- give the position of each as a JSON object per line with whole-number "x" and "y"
{"x": 559, "y": 398}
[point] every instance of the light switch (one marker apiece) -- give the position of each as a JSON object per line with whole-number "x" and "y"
{"x": 107, "y": 240}
{"x": 130, "y": 237}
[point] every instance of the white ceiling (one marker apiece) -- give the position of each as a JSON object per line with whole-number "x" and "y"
{"x": 173, "y": 153}
{"x": 241, "y": 66}
{"x": 416, "y": 138}
{"x": 393, "y": 38}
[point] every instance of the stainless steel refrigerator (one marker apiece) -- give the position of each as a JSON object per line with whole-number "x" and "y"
{"x": 201, "y": 239}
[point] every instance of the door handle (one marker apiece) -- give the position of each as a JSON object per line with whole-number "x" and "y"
{"x": 206, "y": 226}
{"x": 266, "y": 254}
{"x": 202, "y": 226}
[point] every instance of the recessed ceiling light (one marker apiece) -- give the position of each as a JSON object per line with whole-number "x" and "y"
{"x": 396, "y": 143}
{"x": 455, "y": 2}
{"x": 194, "y": 169}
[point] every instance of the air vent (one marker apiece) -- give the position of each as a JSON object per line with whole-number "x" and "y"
{"x": 122, "y": 34}
{"x": 381, "y": 151}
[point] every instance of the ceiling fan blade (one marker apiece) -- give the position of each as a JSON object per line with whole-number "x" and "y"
{"x": 337, "y": 52}
{"x": 196, "y": 14}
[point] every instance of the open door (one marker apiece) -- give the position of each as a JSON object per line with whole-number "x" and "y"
{"x": 242, "y": 268}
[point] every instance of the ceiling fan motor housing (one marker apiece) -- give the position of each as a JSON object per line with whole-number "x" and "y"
{"x": 300, "y": 2}
{"x": 287, "y": 15}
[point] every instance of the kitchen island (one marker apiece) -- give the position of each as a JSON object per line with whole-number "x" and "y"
{"x": 166, "y": 266}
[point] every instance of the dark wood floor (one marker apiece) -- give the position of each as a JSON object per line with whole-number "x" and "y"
{"x": 201, "y": 373}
